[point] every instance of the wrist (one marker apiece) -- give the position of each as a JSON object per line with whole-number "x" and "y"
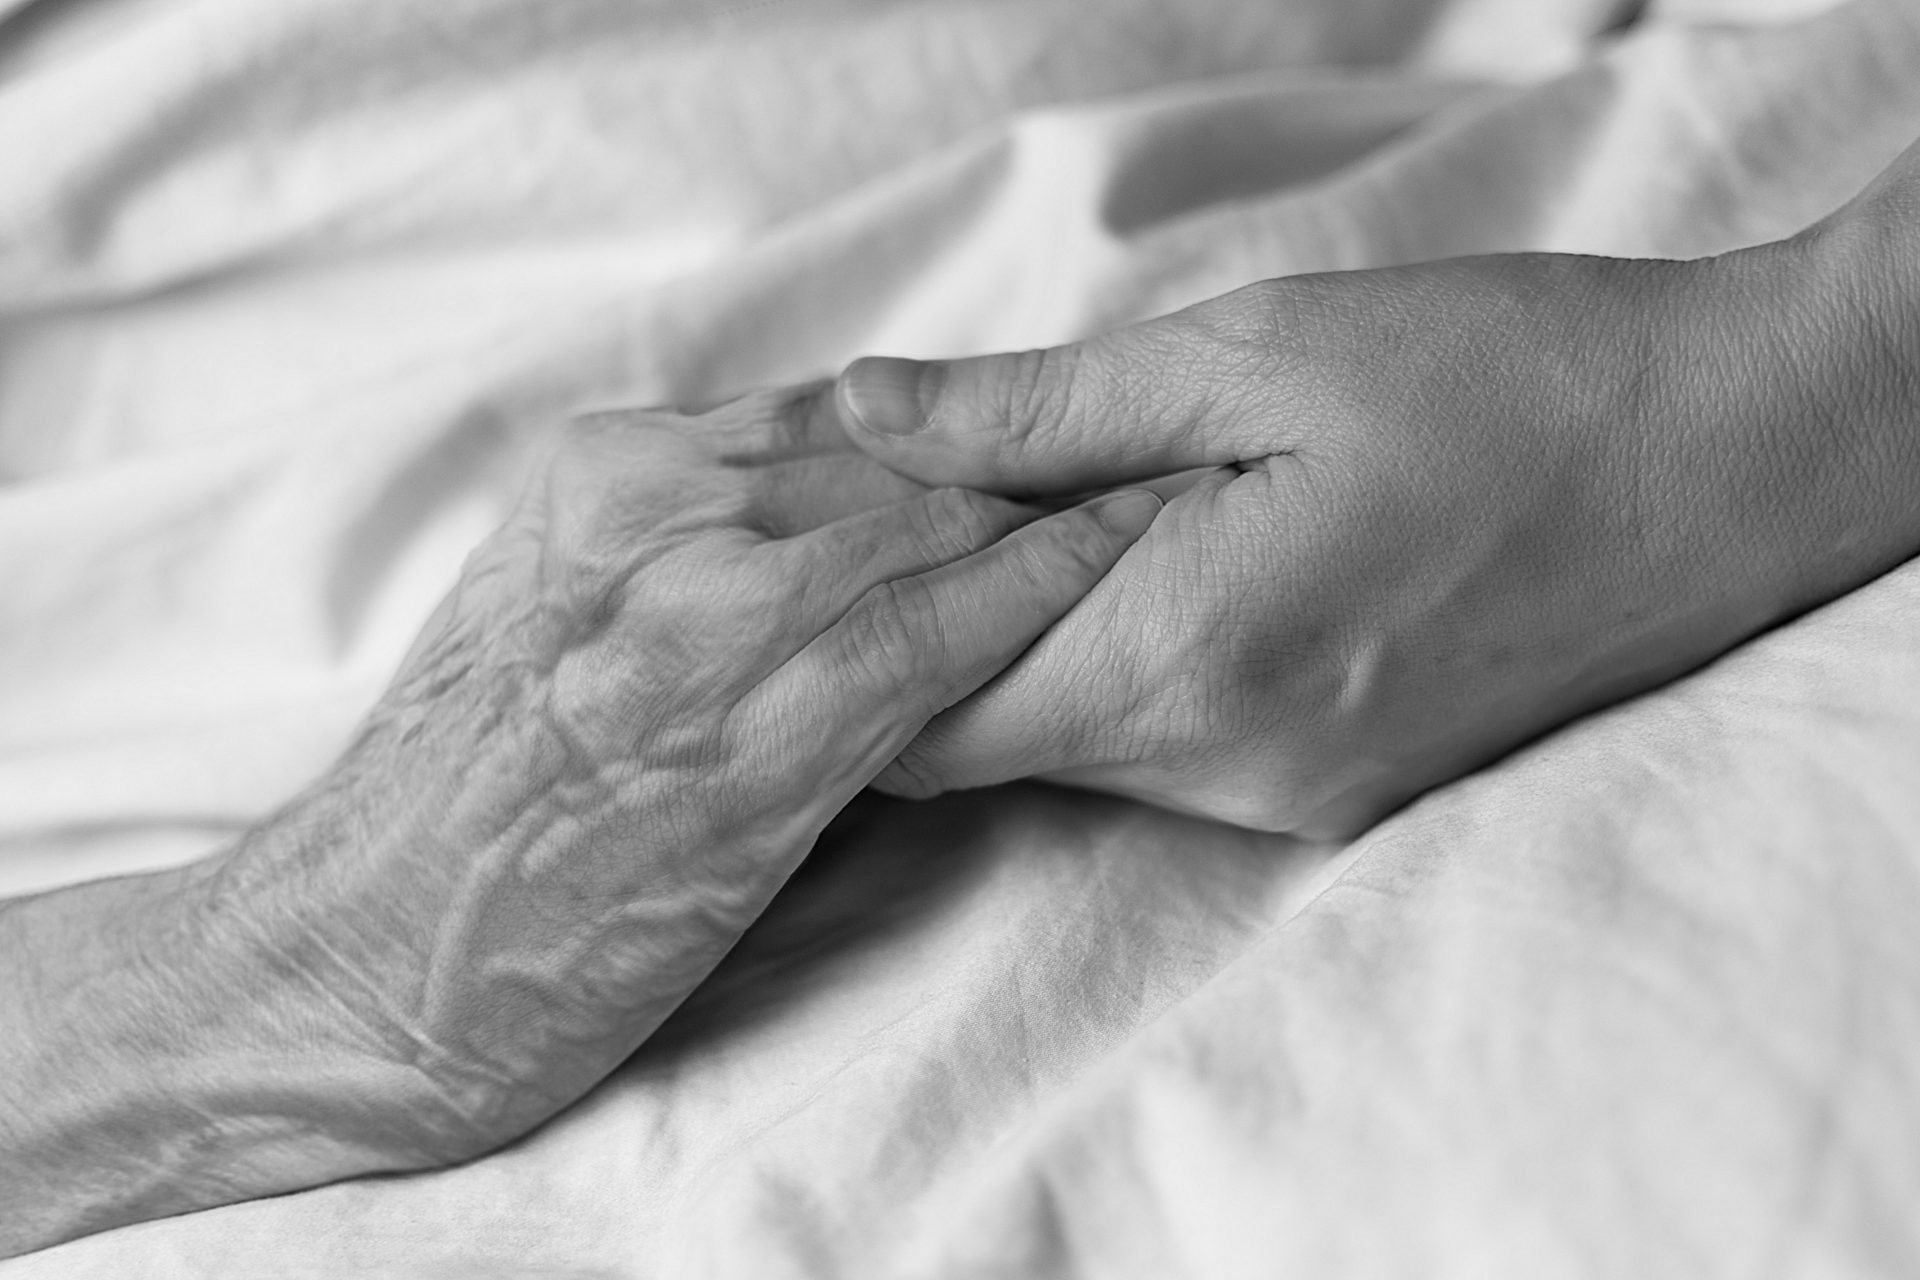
{"x": 161, "y": 1066}
{"x": 331, "y": 917}
{"x": 357, "y": 1084}
{"x": 1821, "y": 398}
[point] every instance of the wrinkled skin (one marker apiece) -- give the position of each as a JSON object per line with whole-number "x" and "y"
{"x": 680, "y": 658}
{"x": 1444, "y": 509}
{"x": 693, "y": 643}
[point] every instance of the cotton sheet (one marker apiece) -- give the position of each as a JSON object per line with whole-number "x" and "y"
{"x": 290, "y": 290}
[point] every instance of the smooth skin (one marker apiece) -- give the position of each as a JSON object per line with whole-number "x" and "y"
{"x": 1445, "y": 508}
{"x": 692, "y": 644}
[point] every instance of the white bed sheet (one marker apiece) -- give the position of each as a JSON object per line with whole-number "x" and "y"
{"x": 287, "y": 290}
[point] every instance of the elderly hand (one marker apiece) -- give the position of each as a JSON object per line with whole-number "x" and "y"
{"x": 1449, "y": 507}
{"x": 692, "y": 645}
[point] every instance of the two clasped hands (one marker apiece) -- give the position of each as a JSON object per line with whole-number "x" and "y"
{"x": 1430, "y": 512}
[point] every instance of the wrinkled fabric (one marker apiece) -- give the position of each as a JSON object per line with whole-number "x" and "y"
{"x": 291, "y": 290}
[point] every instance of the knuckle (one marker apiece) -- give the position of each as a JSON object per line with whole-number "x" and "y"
{"x": 588, "y": 443}
{"x": 593, "y": 445}
{"x": 1029, "y": 566}
{"x": 952, "y": 523}
{"x": 603, "y": 438}
{"x": 597, "y": 423}
{"x": 1080, "y": 548}
{"x": 618, "y": 473}
{"x": 894, "y": 633}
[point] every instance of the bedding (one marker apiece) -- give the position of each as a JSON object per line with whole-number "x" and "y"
{"x": 290, "y": 291}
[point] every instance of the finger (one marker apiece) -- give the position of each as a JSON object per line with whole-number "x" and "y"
{"x": 792, "y": 498}
{"x": 767, "y": 426}
{"x": 1078, "y": 699}
{"x": 838, "y": 563}
{"x": 781, "y": 425}
{"x": 946, "y": 754}
{"x": 775, "y": 461}
{"x": 1167, "y": 487}
{"x": 913, "y": 646}
{"x": 1181, "y": 392}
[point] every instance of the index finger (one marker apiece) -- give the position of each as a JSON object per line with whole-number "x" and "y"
{"x": 787, "y": 424}
{"x": 759, "y": 428}
{"x": 913, "y": 646}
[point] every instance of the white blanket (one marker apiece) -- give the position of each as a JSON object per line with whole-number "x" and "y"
{"x": 288, "y": 288}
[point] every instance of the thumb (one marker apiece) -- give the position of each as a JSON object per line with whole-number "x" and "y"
{"x": 1165, "y": 396}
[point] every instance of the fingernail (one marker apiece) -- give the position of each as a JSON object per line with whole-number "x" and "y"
{"x": 1127, "y": 513}
{"x": 890, "y": 396}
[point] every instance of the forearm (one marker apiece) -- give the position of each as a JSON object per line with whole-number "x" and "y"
{"x": 253, "y": 1024}
{"x": 154, "y": 1064}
